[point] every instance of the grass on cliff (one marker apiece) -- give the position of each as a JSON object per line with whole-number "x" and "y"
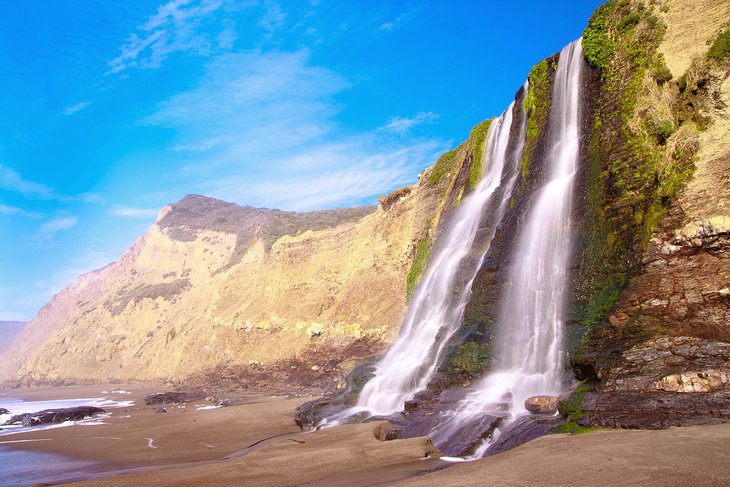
{"x": 537, "y": 108}
{"x": 423, "y": 250}
{"x": 442, "y": 167}
{"x": 478, "y": 137}
{"x": 720, "y": 48}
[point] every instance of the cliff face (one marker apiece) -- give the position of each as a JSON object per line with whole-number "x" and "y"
{"x": 662, "y": 356}
{"x": 213, "y": 285}
{"x": 647, "y": 322}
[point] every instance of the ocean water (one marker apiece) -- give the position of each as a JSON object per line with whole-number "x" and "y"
{"x": 24, "y": 468}
{"x": 20, "y": 468}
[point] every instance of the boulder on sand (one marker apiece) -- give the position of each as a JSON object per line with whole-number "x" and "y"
{"x": 542, "y": 404}
{"x": 165, "y": 398}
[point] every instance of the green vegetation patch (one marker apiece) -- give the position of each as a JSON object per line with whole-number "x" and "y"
{"x": 423, "y": 250}
{"x": 442, "y": 167}
{"x": 572, "y": 410}
{"x": 599, "y": 44}
{"x": 478, "y": 137}
{"x": 720, "y": 48}
{"x": 537, "y": 108}
{"x": 470, "y": 357}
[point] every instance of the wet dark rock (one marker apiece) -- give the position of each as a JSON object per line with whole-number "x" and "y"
{"x": 49, "y": 416}
{"x": 4, "y": 411}
{"x": 224, "y": 403}
{"x": 166, "y": 398}
{"x": 467, "y": 438}
{"x": 542, "y": 404}
{"x": 161, "y": 410}
{"x": 521, "y": 431}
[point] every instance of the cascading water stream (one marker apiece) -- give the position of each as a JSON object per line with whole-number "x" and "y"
{"x": 529, "y": 344}
{"x": 438, "y": 304}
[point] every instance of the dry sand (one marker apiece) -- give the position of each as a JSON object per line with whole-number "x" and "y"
{"x": 256, "y": 443}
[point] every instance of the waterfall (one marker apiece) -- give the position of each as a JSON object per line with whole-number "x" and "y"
{"x": 529, "y": 344}
{"x": 436, "y": 310}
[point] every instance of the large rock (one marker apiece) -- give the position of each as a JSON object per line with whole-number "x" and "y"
{"x": 542, "y": 404}
{"x": 165, "y": 398}
{"x": 4, "y": 411}
{"x": 48, "y": 416}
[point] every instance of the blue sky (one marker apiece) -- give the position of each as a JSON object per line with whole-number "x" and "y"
{"x": 111, "y": 110}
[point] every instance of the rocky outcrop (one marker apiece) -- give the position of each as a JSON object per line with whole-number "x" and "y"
{"x": 50, "y": 416}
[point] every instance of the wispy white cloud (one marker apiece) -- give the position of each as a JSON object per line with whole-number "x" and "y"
{"x": 12, "y": 181}
{"x": 251, "y": 102}
{"x": 71, "y": 109}
{"x": 175, "y": 27}
{"x": 133, "y": 212}
{"x": 15, "y": 211}
{"x": 260, "y": 110}
{"x": 60, "y": 224}
{"x": 329, "y": 176}
{"x": 402, "y": 125}
{"x": 391, "y": 24}
{"x": 273, "y": 18}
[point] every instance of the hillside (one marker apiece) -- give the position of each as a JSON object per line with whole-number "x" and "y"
{"x": 264, "y": 294}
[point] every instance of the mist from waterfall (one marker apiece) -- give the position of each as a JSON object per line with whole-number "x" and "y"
{"x": 529, "y": 349}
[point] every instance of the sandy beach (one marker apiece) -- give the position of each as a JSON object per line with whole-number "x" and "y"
{"x": 256, "y": 442}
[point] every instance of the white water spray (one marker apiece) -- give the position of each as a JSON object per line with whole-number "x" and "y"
{"x": 529, "y": 343}
{"x": 437, "y": 307}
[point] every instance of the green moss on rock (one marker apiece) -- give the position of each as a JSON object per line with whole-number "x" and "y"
{"x": 632, "y": 175}
{"x": 442, "y": 167}
{"x": 537, "y": 107}
{"x": 423, "y": 250}
{"x": 470, "y": 357}
{"x": 478, "y": 137}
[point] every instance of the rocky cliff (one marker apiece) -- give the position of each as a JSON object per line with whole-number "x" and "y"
{"x": 648, "y": 328}
{"x": 662, "y": 354}
{"x": 216, "y": 292}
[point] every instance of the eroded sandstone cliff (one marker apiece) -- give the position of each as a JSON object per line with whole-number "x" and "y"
{"x": 262, "y": 297}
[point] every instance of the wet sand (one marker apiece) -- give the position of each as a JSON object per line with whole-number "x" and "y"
{"x": 256, "y": 442}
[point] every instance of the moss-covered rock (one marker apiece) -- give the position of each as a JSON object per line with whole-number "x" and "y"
{"x": 478, "y": 138}
{"x": 420, "y": 260}
{"x": 470, "y": 357}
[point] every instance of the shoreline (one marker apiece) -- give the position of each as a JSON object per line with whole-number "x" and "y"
{"x": 256, "y": 442}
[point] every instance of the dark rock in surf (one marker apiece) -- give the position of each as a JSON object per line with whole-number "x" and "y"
{"x": 49, "y": 416}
